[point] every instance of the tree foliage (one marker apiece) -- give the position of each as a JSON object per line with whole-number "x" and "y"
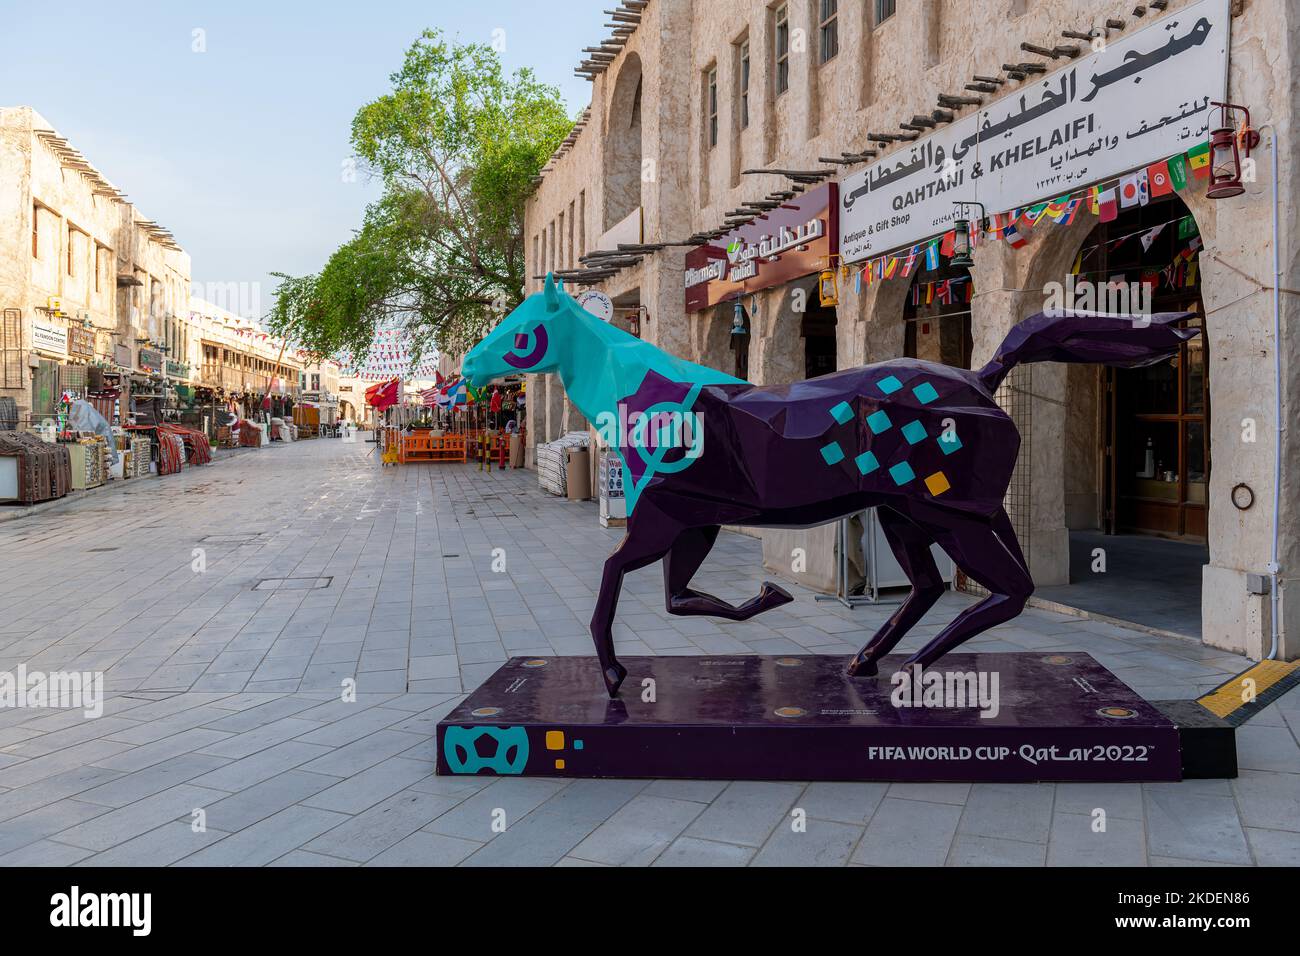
{"x": 456, "y": 143}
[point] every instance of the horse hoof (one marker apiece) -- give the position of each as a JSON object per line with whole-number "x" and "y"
{"x": 863, "y": 668}
{"x": 773, "y": 595}
{"x": 614, "y": 676}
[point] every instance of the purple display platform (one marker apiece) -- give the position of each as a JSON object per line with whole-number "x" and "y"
{"x": 1061, "y": 717}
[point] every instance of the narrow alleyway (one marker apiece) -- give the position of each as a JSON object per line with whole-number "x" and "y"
{"x": 227, "y": 606}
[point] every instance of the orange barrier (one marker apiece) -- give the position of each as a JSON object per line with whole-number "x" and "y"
{"x": 424, "y": 446}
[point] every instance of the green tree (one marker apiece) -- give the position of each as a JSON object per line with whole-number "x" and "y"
{"x": 457, "y": 144}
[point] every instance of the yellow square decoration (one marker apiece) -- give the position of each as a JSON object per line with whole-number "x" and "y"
{"x": 559, "y": 765}
{"x": 938, "y": 483}
{"x": 555, "y": 740}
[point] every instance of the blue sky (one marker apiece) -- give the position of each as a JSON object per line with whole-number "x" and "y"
{"x": 239, "y": 150}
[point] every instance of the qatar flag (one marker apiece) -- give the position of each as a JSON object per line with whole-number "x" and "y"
{"x": 1107, "y": 206}
{"x": 1133, "y": 190}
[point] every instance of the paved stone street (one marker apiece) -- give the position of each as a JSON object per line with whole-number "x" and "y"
{"x": 224, "y": 668}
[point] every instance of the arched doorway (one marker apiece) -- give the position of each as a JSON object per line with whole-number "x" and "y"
{"x": 818, "y": 331}
{"x": 1137, "y": 444}
{"x": 937, "y": 317}
{"x": 623, "y": 148}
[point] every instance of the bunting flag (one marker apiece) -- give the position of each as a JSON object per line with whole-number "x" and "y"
{"x": 946, "y": 244}
{"x": 1094, "y": 200}
{"x": 1013, "y": 237}
{"x": 1109, "y": 206}
{"x": 1198, "y": 157}
{"x": 1187, "y": 228}
{"x": 1133, "y": 190}
{"x": 1177, "y": 172}
{"x": 910, "y": 262}
{"x": 1071, "y": 212}
{"x": 932, "y": 255}
{"x": 890, "y": 268}
{"x": 1158, "y": 177}
{"x": 1150, "y": 237}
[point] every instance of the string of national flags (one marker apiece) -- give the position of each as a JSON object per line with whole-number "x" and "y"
{"x": 452, "y": 393}
{"x": 1103, "y": 201}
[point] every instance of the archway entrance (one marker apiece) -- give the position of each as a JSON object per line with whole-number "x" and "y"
{"x": 818, "y": 331}
{"x": 937, "y": 317}
{"x": 1137, "y": 448}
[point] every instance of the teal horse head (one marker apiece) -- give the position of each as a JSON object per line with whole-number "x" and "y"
{"x": 526, "y": 342}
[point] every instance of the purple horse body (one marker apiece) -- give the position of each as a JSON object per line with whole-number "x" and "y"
{"x": 923, "y": 443}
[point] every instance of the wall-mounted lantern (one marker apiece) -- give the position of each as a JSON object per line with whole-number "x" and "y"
{"x": 961, "y": 248}
{"x": 1225, "y": 157}
{"x": 828, "y": 285}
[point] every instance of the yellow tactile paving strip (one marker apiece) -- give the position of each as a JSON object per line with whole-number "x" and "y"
{"x": 1230, "y": 697}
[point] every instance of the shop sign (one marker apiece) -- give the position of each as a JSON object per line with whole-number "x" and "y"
{"x": 151, "y": 360}
{"x": 794, "y": 240}
{"x": 1133, "y": 102}
{"x": 50, "y": 337}
{"x": 177, "y": 369}
{"x": 122, "y": 356}
{"x": 81, "y": 343}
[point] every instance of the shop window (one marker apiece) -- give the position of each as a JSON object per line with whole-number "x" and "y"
{"x": 828, "y": 29}
{"x": 712, "y": 96}
{"x": 744, "y": 85}
{"x": 782, "y": 33}
{"x": 885, "y": 9}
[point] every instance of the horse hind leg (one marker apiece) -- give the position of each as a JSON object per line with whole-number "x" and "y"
{"x": 911, "y": 546}
{"x": 990, "y": 554}
{"x": 681, "y": 564}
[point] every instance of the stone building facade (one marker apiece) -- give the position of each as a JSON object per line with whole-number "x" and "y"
{"x": 699, "y": 93}
{"x": 79, "y": 265}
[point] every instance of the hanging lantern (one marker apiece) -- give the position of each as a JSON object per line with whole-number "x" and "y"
{"x": 1225, "y": 157}
{"x": 961, "y": 245}
{"x": 738, "y": 321}
{"x": 828, "y": 286}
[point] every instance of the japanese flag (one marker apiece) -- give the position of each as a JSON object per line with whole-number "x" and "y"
{"x": 1133, "y": 190}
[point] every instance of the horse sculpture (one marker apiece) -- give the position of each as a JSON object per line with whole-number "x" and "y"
{"x": 923, "y": 443}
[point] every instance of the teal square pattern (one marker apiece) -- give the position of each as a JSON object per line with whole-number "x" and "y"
{"x": 926, "y": 393}
{"x": 889, "y": 385}
{"x": 902, "y": 473}
{"x": 949, "y": 443}
{"x": 833, "y": 453}
{"x": 842, "y": 413}
{"x": 867, "y": 463}
{"x": 879, "y": 423}
{"x": 914, "y": 433}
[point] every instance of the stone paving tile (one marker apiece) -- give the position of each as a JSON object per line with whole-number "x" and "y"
{"x": 971, "y": 850}
{"x": 1195, "y": 827}
{"x": 746, "y": 812}
{"x": 1077, "y": 841}
{"x": 557, "y": 826}
{"x": 690, "y": 851}
{"x": 269, "y": 839}
{"x": 822, "y": 843}
{"x": 908, "y": 833}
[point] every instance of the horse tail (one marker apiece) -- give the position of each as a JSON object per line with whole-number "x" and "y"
{"x": 1121, "y": 341}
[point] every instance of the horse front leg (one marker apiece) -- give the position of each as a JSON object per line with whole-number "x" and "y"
{"x": 684, "y": 560}
{"x": 647, "y": 540}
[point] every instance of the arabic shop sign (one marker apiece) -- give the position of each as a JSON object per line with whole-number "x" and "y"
{"x": 1139, "y": 100}
{"x": 177, "y": 369}
{"x": 50, "y": 337}
{"x": 794, "y": 240}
